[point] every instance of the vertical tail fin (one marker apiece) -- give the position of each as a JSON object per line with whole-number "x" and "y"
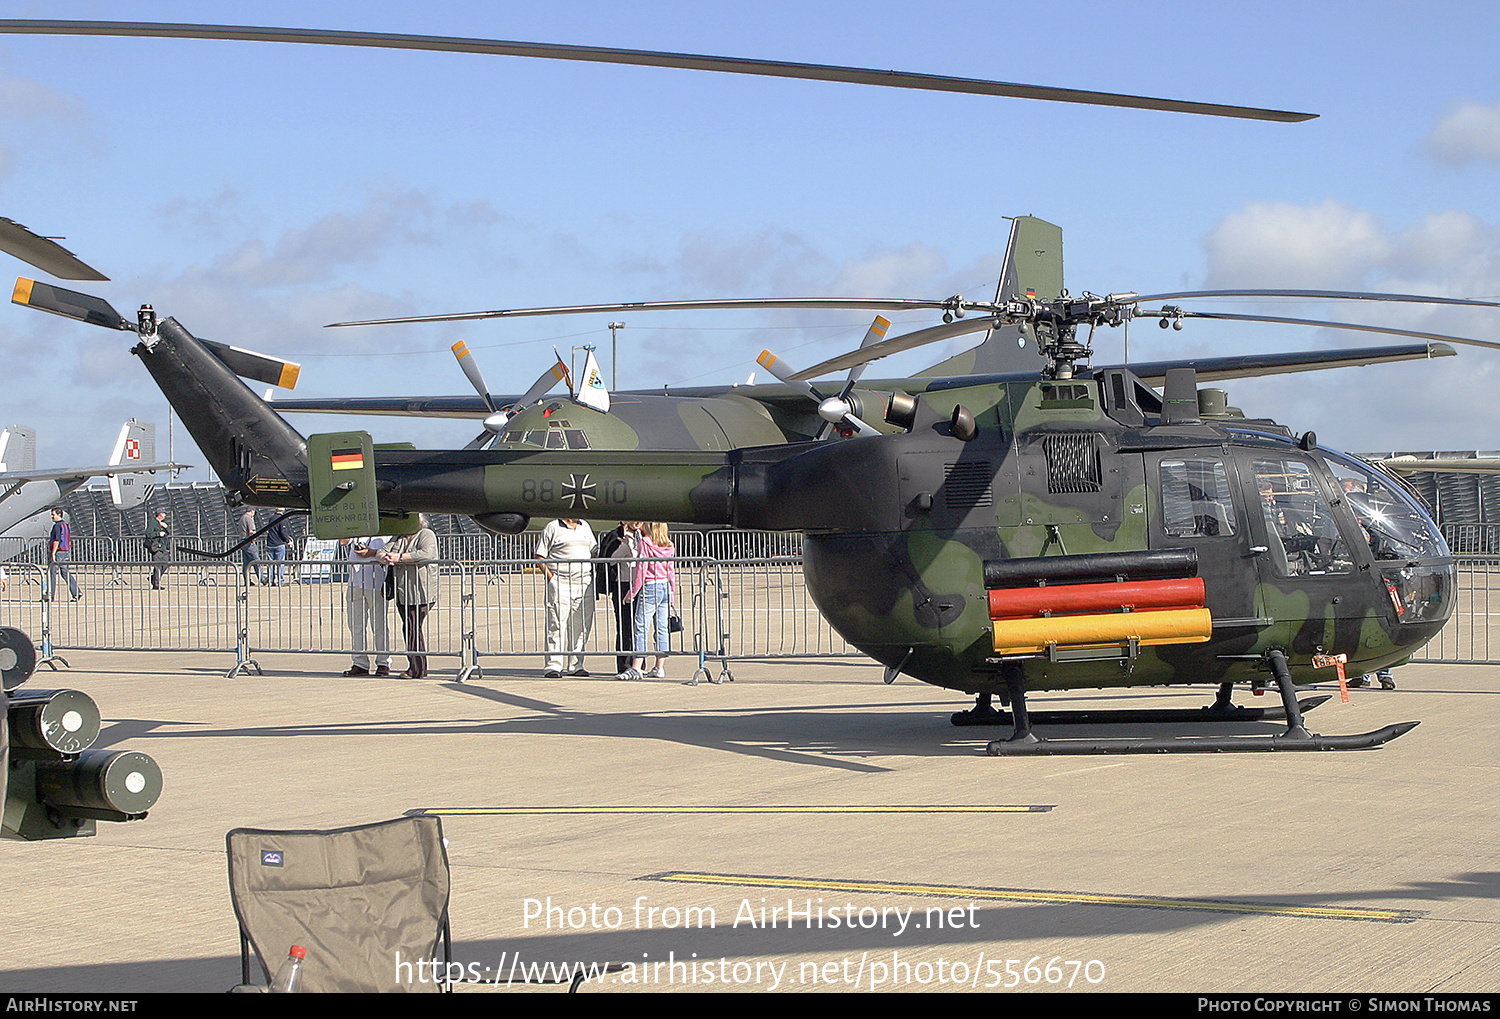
{"x": 18, "y": 448}
{"x": 1033, "y": 268}
{"x": 137, "y": 443}
{"x": 251, "y": 448}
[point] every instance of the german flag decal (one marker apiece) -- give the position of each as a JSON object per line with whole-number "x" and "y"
{"x": 347, "y": 459}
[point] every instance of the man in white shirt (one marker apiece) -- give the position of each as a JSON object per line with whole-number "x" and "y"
{"x": 564, "y": 549}
{"x": 365, "y": 605}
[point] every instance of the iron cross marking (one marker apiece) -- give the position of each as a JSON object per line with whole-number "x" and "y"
{"x": 579, "y": 491}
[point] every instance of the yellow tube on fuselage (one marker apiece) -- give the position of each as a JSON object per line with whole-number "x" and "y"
{"x": 1175, "y": 626}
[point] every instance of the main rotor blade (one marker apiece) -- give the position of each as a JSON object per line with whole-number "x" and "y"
{"x": 895, "y": 345}
{"x": 649, "y": 58}
{"x": 1249, "y": 366}
{"x": 1331, "y": 295}
{"x": 1313, "y": 322}
{"x": 45, "y": 253}
{"x": 471, "y": 370}
{"x": 820, "y": 303}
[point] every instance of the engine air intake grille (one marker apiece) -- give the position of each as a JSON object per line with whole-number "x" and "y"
{"x": 1072, "y": 462}
{"x": 966, "y": 485}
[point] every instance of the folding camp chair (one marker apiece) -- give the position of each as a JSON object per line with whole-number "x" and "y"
{"x": 369, "y": 903}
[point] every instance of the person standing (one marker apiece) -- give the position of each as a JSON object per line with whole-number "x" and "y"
{"x": 651, "y": 589}
{"x": 159, "y": 546}
{"x": 59, "y": 550}
{"x": 613, "y": 579}
{"x": 276, "y": 546}
{"x": 413, "y": 557}
{"x": 365, "y": 609}
{"x": 248, "y": 555}
{"x": 564, "y": 549}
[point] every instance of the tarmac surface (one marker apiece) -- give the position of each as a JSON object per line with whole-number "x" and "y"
{"x": 590, "y": 819}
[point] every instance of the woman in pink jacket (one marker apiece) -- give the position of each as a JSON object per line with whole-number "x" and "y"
{"x": 651, "y": 590}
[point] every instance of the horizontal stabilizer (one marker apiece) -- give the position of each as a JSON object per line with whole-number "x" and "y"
{"x": 68, "y": 473}
{"x": 1442, "y": 464}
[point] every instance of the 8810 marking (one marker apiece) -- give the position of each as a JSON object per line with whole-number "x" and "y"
{"x": 579, "y": 492}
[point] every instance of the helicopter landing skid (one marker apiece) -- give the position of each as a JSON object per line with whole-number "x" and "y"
{"x": 1025, "y": 743}
{"x": 1036, "y": 747}
{"x": 983, "y": 714}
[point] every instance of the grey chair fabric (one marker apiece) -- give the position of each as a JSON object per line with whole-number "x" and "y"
{"x": 368, "y": 903}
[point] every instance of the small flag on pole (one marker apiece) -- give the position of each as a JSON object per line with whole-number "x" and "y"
{"x": 593, "y": 393}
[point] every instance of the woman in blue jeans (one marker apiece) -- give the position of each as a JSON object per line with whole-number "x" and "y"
{"x": 651, "y": 590}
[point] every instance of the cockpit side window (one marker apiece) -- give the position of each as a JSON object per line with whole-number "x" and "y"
{"x": 1299, "y": 519}
{"x": 1195, "y": 498}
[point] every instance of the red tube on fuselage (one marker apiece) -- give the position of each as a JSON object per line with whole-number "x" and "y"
{"x": 1064, "y": 599}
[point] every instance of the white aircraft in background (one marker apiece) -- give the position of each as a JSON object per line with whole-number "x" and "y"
{"x": 26, "y": 494}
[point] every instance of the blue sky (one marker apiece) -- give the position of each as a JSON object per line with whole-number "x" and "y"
{"x": 258, "y": 191}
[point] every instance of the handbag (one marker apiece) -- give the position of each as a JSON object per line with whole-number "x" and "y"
{"x": 674, "y": 623}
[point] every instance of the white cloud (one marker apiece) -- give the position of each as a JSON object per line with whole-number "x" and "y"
{"x": 1469, "y": 133}
{"x": 771, "y": 262}
{"x": 1447, "y": 403}
{"x": 1331, "y": 245}
{"x": 912, "y": 271}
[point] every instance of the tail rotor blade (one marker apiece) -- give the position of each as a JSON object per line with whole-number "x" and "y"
{"x": 68, "y": 303}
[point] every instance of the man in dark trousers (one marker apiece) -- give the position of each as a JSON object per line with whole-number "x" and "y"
{"x": 158, "y": 545}
{"x": 59, "y": 550}
{"x": 613, "y": 580}
{"x": 276, "y": 546}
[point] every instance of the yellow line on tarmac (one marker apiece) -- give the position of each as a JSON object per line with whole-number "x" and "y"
{"x": 1049, "y": 898}
{"x": 1022, "y": 808}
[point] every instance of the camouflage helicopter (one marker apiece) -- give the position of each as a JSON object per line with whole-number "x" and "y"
{"x": 998, "y": 533}
{"x": 1073, "y": 527}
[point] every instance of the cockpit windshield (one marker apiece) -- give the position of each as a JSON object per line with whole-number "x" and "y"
{"x": 1393, "y": 520}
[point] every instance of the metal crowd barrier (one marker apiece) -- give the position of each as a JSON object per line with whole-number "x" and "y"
{"x": 486, "y": 609}
{"x": 1472, "y": 539}
{"x": 1469, "y": 638}
{"x": 21, "y": 604}
{"x": 489, "y": 609}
